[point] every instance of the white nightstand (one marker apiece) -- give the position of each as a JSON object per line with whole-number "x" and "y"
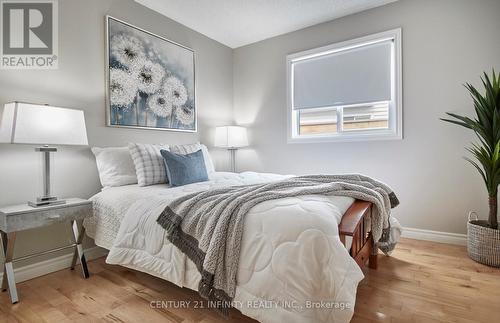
{"x": 22, "y": 217}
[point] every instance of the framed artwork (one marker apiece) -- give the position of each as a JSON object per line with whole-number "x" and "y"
{"x": 150, "y": 80}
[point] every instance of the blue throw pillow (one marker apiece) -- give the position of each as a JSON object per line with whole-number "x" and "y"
{"x": 185, "y": 169}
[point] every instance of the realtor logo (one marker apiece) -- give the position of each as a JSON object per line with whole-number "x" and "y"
{"x": 28, "y": 34}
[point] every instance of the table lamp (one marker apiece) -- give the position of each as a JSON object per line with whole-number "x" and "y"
{"x": 26, "y": 123}
{"x": 231, "y": 138}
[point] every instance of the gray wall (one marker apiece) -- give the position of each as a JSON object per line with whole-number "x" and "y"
{"x": 79, "y": 83}
{"x": 445, "y": 43}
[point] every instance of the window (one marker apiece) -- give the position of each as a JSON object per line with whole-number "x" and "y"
{"x": 348, "y": 91}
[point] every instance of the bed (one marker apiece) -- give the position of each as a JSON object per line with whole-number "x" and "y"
{"x": 300, "y": 258}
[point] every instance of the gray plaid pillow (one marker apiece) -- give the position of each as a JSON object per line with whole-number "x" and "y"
{"x": 149, "y": 164}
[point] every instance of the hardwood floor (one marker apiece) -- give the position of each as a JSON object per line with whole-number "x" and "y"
{"x": 429, "y": 282}
{"x": 421, "y": 282}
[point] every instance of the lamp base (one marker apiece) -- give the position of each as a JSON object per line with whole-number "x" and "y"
{"x": 232, "y": 152}
{"x": 46, "y": 201}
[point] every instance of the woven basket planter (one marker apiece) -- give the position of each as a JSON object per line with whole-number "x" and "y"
{"x": 483, "y": 244}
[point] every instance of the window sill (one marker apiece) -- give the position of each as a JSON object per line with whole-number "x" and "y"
{"x": 345, "y": 138}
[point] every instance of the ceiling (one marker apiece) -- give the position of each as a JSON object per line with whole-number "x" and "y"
{"x": 236, "y": 23}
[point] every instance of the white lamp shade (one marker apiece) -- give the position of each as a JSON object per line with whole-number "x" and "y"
{"x": 23, "y": 123}
{"x": 231, "y": 137}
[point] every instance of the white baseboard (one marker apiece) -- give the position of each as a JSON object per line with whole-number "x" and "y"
{"x": 436, "y": 236}
{"x": 51, "y": 265}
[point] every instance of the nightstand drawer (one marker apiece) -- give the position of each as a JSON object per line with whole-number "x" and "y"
{"x": 14, "y": 220}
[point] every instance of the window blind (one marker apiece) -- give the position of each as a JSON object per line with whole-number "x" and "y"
{"x": 350, "y": 76}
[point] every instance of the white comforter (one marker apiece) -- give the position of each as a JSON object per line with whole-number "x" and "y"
{"x": 293, "y": 267}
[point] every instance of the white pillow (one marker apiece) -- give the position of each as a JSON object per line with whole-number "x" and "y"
{"x": 149, "y": 164}
{"x": 191, "y": 148}
{"x": 115, "y": 166}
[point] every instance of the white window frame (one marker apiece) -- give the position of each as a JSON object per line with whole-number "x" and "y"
{"x": 395, "y": 131}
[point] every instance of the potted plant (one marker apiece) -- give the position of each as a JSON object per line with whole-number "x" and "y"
{"x": 483, "y": 237}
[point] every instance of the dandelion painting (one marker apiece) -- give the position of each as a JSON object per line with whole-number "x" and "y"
{"x": 150, "y": 80}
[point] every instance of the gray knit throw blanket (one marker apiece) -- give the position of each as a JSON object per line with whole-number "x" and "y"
{"x": 207, "y": 226}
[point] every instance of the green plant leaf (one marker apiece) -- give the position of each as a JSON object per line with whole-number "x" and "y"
{"x": 486, "y": 126}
